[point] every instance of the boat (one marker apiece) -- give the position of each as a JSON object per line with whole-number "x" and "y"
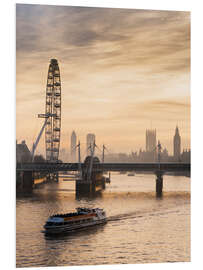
{"x": 82, "y": 218}
{"x": 131, "y": 174}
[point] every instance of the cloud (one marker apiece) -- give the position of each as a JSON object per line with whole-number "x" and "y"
{"x": 131, "y": 37}
{"x": 118, "y": 66}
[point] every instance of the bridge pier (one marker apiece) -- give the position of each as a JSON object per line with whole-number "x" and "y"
{"x": 84, "y": 188}
{"x": 25, "y": 181}
{"x": 89, "y": 188}
{"x": 103, "y": 184}
{"x": 159, "y": 183}
{"x": 92, "y": 182}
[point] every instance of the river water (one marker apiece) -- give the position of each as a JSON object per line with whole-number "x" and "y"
{"x": 140, "y": 228}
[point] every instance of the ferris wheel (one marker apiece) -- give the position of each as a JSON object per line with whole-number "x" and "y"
{"x": 53, "y": 112}
{"x": 52, "y": 123}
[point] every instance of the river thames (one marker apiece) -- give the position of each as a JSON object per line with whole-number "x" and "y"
{"x": 140, "y": 227}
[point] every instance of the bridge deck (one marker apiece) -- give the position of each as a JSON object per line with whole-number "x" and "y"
{"x": 56, "y": 167}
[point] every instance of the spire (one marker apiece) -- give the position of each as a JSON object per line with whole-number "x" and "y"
{"x": 177, "y": 130}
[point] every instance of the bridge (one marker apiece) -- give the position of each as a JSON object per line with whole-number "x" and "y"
{"x": 87, "y": 184}
{"x": 115, "y": 167}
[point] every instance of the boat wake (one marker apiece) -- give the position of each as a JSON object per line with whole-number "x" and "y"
{"x": 143, "y": 214}
{"x": 123, "y": 216}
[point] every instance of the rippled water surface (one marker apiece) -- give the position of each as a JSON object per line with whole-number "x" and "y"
{"x": 140, "y": 228}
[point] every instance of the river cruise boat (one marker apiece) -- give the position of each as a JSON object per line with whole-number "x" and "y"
{"x": 131, "y": 174}
{"x": 82, "y": 218}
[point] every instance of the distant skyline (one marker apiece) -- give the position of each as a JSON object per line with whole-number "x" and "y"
{"x": 123, "y": 71}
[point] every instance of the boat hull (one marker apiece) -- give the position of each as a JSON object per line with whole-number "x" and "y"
{"x": 72, "y": 228}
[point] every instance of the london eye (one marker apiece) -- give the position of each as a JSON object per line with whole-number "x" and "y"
{"x": 52, "y": 123}
{"x": 53, "y": 112}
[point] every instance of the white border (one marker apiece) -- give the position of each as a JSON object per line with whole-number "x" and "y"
{"x": 144, "y": 4}
{"x": 8, "y": 125}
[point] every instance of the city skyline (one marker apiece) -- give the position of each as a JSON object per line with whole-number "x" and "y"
{"x": 150, "y": 146}
{"x": 149, "y": 154}
{"x": 143, "y": 147}
{"x": 122, "y": 72}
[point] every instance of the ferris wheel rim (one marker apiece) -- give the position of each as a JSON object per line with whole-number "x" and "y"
{"x": 53, "y": 109}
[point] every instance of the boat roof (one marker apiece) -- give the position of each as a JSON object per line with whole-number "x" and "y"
{"x": 80, "y": 211}
{"x": 88, "y": 209}
{"x": 55, "y": 219}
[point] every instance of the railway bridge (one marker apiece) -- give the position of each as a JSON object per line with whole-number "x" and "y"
{"x": 27, "y": 170}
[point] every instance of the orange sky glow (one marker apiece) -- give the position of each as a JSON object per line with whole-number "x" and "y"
{"x": 122, "y": 70}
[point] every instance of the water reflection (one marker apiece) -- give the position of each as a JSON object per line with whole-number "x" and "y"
{"x": 90, "y": 196}
{"x": 69, "y": 246}
{"x": 78, "y": 233}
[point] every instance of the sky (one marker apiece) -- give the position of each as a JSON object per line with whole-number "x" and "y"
{"x": 122, "y": 71}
